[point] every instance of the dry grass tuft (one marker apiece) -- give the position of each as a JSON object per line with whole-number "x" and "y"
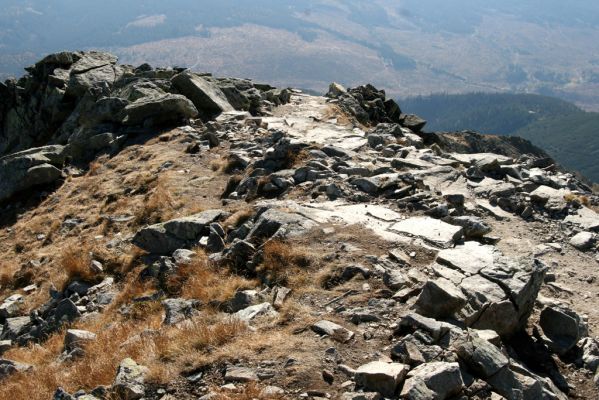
{"x": 158, "y": 206}
{"x": 238, "y": 218}
{"x": 293, "y": 160}
{"x": 576, "y": 198}
{"x": 95, "y": 168}
{"x": 283, "y": 264}
{"x": 76, "y": 263}
{"x": 196, "y": 336}
{"x": 8, "y": 268}
{"x": 335, "y": 112}
{"x": 201, "y": 280}
{"x": 227, "y": 165}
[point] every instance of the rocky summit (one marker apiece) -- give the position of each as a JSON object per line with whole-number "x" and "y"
{"x": 167, "y": 234}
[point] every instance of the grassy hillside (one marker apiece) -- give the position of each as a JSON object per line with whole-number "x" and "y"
{"x": 568, "y": 133}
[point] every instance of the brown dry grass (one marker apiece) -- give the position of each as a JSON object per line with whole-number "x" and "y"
{"x": 114, "y": 190}
{"x": 8, "y": 270}
{"x": 166, "y": 352}
{"x": 204, "y": 281}
{"x": 576, "y": 198}
{"x": 75, "y": 261}
{"x": 284, "y": 264}
{"x": 225, "y": 165}
{"x": 158, "y": 206}
{"x": 334, "y": 111}
{"x": 238, "y": 218}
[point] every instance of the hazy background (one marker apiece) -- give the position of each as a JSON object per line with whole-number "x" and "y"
{"x": 512, "y": 50}
{"x": 409, "y": 47}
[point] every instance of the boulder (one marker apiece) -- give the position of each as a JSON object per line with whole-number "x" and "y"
{"x": 9, "y": 367}
{"x": 240, "y": 374}
{"x": 583, "y": 240}
{"x": 264, "y": 310}
{"x": 562, "y": 328}
{"x": 384, "y": 378}
{"x": 166, "y": 237}
{"x": 439, "y": 299}
{"x": 129, "y": 381}
{"x": 76, "y": 337}
{"x": 177, "y": 310}
{"x": 207, "y": 98}
{"x": 434, "y": 381}
{"x": 333, "y": 330}
{"x": 158, "y": 110}
{"x": 30, "y": 168}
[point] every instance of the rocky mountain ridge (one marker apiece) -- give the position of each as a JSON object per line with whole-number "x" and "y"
{"x": 171, "y": 235}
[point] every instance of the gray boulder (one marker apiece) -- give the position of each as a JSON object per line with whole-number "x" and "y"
{"x": 562, "y": 327}
{"x": 166, "y": 237}
{"x": 178, "y": 310}
{"x": 9, "y": 367}
{"x": 583, "y": 240}
{"x": 333, "y": 330}
{"x": 30, "y": 168}
{"x": 433, "y": 381}
{"x": 158, "y": 110}
{"x": 208, "y": 99}
{"x": 129, "y": 381}
{"x": 384, "y": 378}
{"x": 439, "y": 299}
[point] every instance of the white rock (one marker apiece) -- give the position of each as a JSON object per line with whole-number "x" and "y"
{"x": 382, "y": 377}
{"x": 431, "y": 230}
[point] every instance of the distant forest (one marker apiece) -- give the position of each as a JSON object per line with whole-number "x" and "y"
{"x": 569, "y": 134}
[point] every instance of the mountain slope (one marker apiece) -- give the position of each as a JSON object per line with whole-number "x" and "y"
{"x": 183, "y": 236}
{"x": 568, "y": 133}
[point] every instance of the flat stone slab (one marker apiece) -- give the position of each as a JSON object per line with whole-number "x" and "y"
{"x": 494, "y": 211}
{"x": 469, "y": 159}
{"x": 431, "y": 230}
{"x": 470, "y": 258}
{"x": 335, "y": 331}
{"x": 240, "y": 374}
{"x": 585, "y": 218}
{"x": 378, "y": 219}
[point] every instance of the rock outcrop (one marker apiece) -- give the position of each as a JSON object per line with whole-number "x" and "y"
{"x": 86, "y": 100}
